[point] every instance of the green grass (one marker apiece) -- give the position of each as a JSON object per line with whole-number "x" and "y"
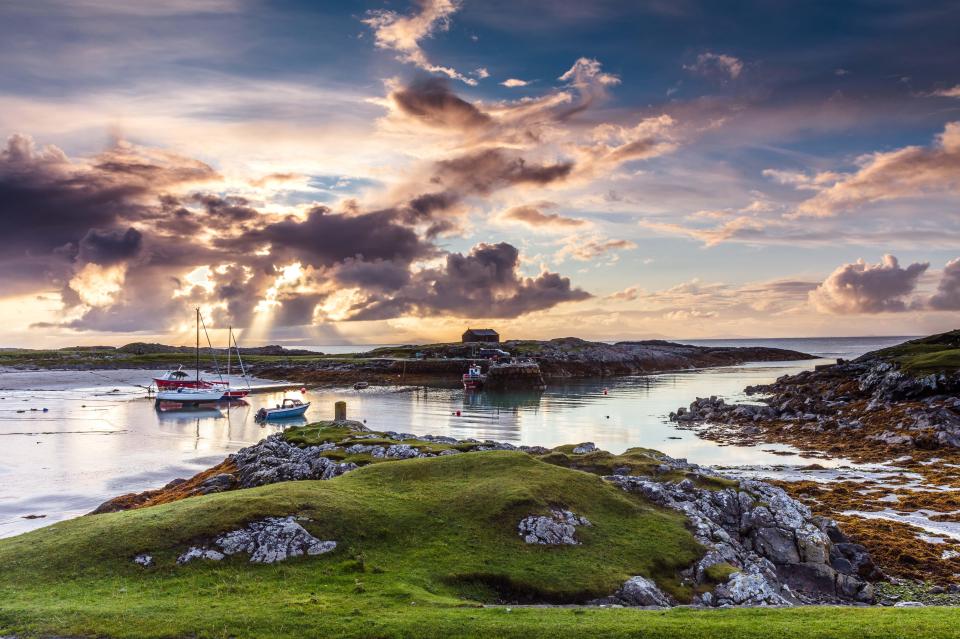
{"x": 422, "y": 544}
{"x": 933, "y": 354}
{"x": 437, "y": 533}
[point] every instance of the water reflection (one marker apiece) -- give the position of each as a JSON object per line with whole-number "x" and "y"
{"x": 95, "y": 442}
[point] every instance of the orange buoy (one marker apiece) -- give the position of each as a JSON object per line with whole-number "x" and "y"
{"x": 303, "y": 390}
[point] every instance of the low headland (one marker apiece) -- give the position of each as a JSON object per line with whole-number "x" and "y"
{"x": 429, "y": 365}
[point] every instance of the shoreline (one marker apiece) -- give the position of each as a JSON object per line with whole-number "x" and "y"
{"x": 888, "y": 408}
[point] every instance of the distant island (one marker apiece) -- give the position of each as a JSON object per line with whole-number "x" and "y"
{"x": 439, "y": 364}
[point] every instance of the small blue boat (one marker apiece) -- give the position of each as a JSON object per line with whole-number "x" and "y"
{"x": 289, "y": 408}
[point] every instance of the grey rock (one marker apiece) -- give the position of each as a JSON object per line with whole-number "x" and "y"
{"x": 584, "y": 448}
{"x": 274, "y": 460}
{"x": 144, "y": 560}
{"x": 195, "y": 552}
{"x": 557, "y": 529}
{"x": 217, "y": 483}
{"x": 783, "y": 554}
{"x": 640, "y": 591}
{"x": 271, "y": 540}
{"x": 752, "y": 588}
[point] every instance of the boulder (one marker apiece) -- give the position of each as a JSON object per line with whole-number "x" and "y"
{"x": 640, "y": 591}
{"x": 558, "y": 528}
{"x": 266, "y": 541}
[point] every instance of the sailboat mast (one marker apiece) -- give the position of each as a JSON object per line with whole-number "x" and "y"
{"x": 229, "y": 339}
{"x": 198, "y": 347}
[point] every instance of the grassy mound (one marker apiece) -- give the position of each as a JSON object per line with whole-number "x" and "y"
{"x": 425, "y": 532}
{"x": 933, "y": 354}
{"x": 421, "y": 544}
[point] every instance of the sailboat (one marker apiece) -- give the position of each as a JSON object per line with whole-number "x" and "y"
{"x": 235, "y": 393}
{"x": 198, "y": 393}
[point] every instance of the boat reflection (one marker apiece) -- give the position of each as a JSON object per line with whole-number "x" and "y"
{"x": 503, "y": 400}
{"x": 173, "y": 412}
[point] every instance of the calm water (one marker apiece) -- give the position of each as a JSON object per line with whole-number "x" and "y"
{"x": 100, "y": 436}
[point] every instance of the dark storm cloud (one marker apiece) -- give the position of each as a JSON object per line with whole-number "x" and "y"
{"x": 380, "y": 275}
{"x": 226, "y": 209}
{"x": 486, "y": 171}
{"x": 483, "y": 283}
{"x": 132, "y": 208}
{"x": 431, "y": 101}
{"x": 47, "y": 202}
{"x": 109, "y": 246}
{"x": 325, "y": 238}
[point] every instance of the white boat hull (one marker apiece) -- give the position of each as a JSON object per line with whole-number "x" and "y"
{"x": 190, "y": 395}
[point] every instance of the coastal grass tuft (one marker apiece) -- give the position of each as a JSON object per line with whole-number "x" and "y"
{"x": 933, "y": 354}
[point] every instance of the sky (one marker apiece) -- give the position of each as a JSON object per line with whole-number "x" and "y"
{"x": 383, "y": 172}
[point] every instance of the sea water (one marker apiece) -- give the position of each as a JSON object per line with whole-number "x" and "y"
{"x": 100, "y": 436}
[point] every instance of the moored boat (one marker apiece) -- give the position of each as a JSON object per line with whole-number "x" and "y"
{"x": 473, "y": 379}
{"x": 289, "y": 408}
{"x": 190, "y": 396}
{"x": 361, "y": 385}
{"x": 172, "y": 380}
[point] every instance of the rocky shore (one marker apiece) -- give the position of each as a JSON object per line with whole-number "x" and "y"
{"x": 890, "y": 409}
{"x": 761, "y": 547}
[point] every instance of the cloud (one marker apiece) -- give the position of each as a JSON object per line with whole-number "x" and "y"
{"x": 431, "y": 101}
{"x": 533, "y": 216}
{"x": 587, "y": 71}
{"x": 912, "y": 171}
{"x": 403, "y": 34}
{"x": 721, "y": 64}
{"x": 324, "y": 239}
{"x": 628, "y": 294}
{"x": 131, "y": 245}
{"x": 482, "y": 284}
{"x": 110, "y": 246}
{"x": 611, "y": 145}
{"x": 55, "y": 211}
{"x": 585, "y": 250}
{"x": 868, "y": 288}
{"x": 489, "y": 170}
{"x": 949, "y": 92}
{"x": 947, "y": 297}
{"x": 512, "y": 83}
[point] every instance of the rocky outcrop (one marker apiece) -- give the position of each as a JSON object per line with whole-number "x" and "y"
{"x": 768, "y": 547}
{"x": 266, "y": 541}
{"x": 872, "y": 401}
{"x": 559, "y": 528}
{"x": 273, "y": 460}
